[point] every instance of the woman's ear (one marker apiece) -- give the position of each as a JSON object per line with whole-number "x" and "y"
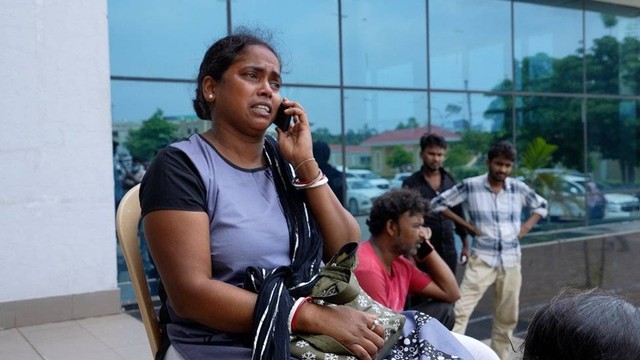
{"x": 209, "y": 89}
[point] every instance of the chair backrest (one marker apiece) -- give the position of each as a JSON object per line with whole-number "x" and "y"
{"x": 127, "y": 221}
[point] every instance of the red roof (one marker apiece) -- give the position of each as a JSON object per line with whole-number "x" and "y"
{"x": 408, "y": 136}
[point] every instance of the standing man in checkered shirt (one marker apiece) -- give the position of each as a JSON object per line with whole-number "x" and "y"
{"x": 494, "y": 203}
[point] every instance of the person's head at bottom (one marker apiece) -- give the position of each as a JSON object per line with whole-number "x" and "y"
{"x": 585, "y": 325}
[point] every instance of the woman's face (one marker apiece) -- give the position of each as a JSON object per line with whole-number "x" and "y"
{"x": 248, "y": 94}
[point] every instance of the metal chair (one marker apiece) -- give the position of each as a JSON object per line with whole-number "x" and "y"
{"x": 127, "y": 221}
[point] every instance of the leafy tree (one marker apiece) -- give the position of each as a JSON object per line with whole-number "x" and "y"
{"x": 399, "y": 158}
{"x": 323, "y": 134}
{"x": 613, "y": 67}
{"x": 457, "y": 155}
{"x": 357, "y": 137}
{"x": 155, "y": 133}
{"x": 412, "y": 123}
{"x": 537, "y": 154}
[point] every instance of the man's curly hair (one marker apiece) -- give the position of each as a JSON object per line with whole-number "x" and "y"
{"x": 391, "y": 205}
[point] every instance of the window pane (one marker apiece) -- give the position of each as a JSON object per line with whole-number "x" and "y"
{"x": 613, "y": 50}
{"x": 305, "y": 35}
{"x": 548, "y": 47}
{"x": 613, "y": 158}
{"x": 469, "y": 43}
{"x": 384, "y": 43}
{"x": 162, "y": 38}
{"x": 137, "y": 101}
{"x": 323, "y": 110}
{"x": 465, "y": 111}
{"x": 558, "y": 178}
{"x": 470, "y": 123}
{"x": 384, "y": 122}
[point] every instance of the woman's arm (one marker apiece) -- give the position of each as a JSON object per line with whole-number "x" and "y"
{"x": 179, "y": 243}
{"x": 337, "y": 225}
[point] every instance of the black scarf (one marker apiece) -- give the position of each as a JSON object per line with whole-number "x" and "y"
{"x": 278, "y": 288}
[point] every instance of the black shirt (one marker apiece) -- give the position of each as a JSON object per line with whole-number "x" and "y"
{"x": 441, "y": 226}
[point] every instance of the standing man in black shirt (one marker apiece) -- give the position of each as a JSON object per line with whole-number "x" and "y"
{"x": 430, "y": 181}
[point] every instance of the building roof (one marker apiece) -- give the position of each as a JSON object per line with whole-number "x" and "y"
{"x": 408, "y": 136}
{"x": 349, "y": 148}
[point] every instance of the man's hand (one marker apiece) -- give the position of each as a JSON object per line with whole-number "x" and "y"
{"x": 464, "y": 254}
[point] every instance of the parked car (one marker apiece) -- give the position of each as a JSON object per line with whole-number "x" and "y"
{"x": 397, "y": 180}
{"x": 375, "y": 179}
{"x": 614, "y": 204}
{"x": 620, "y": 205}
{"x": 571, "y": 195}
{"x": 360, "y": 195}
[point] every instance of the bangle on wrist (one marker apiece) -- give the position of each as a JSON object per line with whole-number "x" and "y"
{"x": 319, "y": 180}
{"x": 294, "y": 311}
{"x": 302, "y": 162}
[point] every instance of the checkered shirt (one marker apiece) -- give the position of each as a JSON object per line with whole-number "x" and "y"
{"x": 497, "y": 216}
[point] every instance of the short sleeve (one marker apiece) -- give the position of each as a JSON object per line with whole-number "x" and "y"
{"x": 172, "y": 182}
{"x": 419, "y": 280}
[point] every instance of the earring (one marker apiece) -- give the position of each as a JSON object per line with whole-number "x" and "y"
{"x": 210, "y": 96}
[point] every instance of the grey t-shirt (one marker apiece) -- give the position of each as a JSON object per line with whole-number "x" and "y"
{"x": 247, "y": 227}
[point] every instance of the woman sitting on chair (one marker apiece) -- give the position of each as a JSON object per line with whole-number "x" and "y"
{"x": 238, "y": 223}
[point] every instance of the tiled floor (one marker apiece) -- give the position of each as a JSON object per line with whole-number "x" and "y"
{"x": 114, "y": 337}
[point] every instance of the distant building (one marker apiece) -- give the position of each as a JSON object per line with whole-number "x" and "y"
{"x": 357, "y": 157}
{"x": 383, "y": 144}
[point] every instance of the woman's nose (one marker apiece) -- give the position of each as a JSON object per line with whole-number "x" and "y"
{"x": 265, "y": 89}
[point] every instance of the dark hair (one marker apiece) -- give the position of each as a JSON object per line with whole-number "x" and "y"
{"x": 585, "y": 325}
{"x": 391, "y": 205}
{"x": 504, "y": 149}
{"x": 321, "y": 152}
{"x": 219, "y": 58}
{"x": 430, "y": 140}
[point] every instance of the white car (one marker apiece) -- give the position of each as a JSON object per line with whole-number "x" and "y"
{"x": 375, "y": 179}
{"x": 360, "y": 195}
{"x": 397, "y": 180}
{"x": 571, "y": 197}
{"x": 621, "y": 205}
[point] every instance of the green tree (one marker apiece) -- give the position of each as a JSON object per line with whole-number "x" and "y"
{"x": 412, "y": 123}
{"x": 155, "y": 133}
{"x": 613, "y": 67}
{"x": 399, "y": 158}
{"x": 323, "y": 134}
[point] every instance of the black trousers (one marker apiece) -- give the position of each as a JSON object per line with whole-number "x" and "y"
{"x": 440, "y": 310}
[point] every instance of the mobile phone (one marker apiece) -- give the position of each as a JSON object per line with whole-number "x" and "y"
{"x": 283, "y": 121}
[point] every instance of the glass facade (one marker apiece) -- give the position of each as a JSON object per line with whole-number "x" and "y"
{"x": 376, "y": 75}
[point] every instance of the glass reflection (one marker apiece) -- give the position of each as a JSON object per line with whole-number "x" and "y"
{"x": 613, "y": 50}
{"x": 137, "y": 100}
{"x": 465, "y": 111}
{"x": 384, "y": 43}
{"x": 613, "y": 159}
{"x": 305, "y": 34}
{"x": 162, "y": 38}
{"x": 470, "y": 44}
{"x": 323, "y": 110}
{"x": 384, "y": 124}
{"x": 548, "y": 47}
{"x": 550, "y": 144}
